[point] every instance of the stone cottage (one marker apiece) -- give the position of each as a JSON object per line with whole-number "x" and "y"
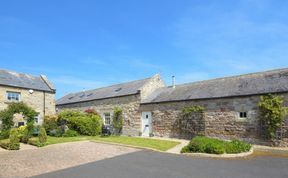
{"x": 36, "y": 91}
{"x": 230, "y": 104}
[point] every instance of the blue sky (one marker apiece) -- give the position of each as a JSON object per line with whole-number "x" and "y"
{"x": 90, "y": 44}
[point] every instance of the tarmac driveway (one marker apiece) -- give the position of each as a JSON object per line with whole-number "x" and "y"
{"x": 143, "y": 164}
{"x": 30, "y": 162}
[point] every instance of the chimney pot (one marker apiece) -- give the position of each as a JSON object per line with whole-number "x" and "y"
{"x": 173, "y": 82}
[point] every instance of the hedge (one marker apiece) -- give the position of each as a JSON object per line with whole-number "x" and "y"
{"x": 215, "y": 146}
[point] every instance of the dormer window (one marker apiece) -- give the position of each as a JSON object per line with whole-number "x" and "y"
{"x": 13, "y": 96}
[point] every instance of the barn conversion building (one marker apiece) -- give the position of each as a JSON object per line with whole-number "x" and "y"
{"x": 151, "y": 108}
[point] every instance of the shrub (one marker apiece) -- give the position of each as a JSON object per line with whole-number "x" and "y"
{"x": 25, "y": 137}
{"x": 35, "y": 141}
{"x": 272, "y": 112}
{"x": 215, "y": 146}
{"x": 91, "y": 111}
{"x": 5, "y": 144}
{"x": 56, "y": 132}
{"x": 50, "y": 123}
{"x": 42, "y": 136}
{"x": 237, "y": 146}
{"x": 70, "y": 133}
{"x": 14, "y": 140}
{"x": 83, "y": 123}
{"x": 4, "y": 134}
{"x": 30, "y": 127}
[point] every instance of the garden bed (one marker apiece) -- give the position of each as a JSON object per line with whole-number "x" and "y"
{"x": 205, "y": 145}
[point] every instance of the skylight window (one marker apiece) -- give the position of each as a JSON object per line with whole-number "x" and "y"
{"x": 118, "y": 89}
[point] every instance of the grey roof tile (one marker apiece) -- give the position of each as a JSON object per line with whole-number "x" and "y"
{"x": 273, "y": 81}
{"x": 122, "y": 89}
{"x": 14, "y": 79}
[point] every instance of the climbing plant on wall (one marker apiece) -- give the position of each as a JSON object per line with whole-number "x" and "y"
{"x": 117, "y": 120}
{"x": 190, "y": 122}
{"x": 272, "y": 113}
{"x": 192, "y": 109}
{"x": 6, "y": 116}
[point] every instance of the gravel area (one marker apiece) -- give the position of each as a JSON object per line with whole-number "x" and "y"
{"x": 30, "y": 162}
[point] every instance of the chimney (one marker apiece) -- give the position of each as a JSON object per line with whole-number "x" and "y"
{"x": 173, "y": 82}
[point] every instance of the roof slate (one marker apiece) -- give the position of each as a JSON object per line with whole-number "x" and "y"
{"x": 273, "y": 81}
{"x": 14, "y": 79}
{"x": 118, "y": 90}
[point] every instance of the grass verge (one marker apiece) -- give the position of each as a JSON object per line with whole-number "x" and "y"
{"x": 161, "y": 145}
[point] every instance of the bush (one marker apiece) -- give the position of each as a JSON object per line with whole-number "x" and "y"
{"x": 272, "y": 113}
{"x": 50, "y": 123}
{"x": 35, "y": 141}
{"x": 14, "y": 140}
{"x": 83, "y": 123}
{"x": 25, "y": 137}
{"x": 70, "y": 133}
{"x": 215, "y": 146}
{"x": 236, "y": 146}
{"x": 42, "y": 136}
{"x": 56, "y": 132}
{"x": 5, "y": 144}
{"x": 4, "y": 134}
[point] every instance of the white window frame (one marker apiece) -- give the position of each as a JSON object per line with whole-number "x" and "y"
{"x": 104, "y": 118}
{"x": 37, "y": 118}
{"x": 14, "y": 96}
{"x": 244, "y": 113}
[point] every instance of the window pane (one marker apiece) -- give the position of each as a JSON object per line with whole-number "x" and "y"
{"x": 107, "y": 118}
{"x": 13, "y": 96}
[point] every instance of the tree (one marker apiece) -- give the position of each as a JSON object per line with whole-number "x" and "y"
{"x": 272, "y": 113}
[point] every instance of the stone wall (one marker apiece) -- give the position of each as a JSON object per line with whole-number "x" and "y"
{"x": 129, "y": 104}
{"x": 221, "y": 117}
{"x": 154, "y": 83}
{"x": 34, "y": 100}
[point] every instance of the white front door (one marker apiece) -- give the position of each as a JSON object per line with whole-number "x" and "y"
{"x": 146, "y": 123}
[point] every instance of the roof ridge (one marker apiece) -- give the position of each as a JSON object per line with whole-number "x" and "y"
{"x": 31, "y": 75}
{"x": 107, "y": 86}
{"x": 233, "y": 76}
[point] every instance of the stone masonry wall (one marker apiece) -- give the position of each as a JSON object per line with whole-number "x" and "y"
{"x": 154, "y": 83}
{"x": 221, "y": 117}
{"x": 34, "y": 100}
{"x": 129, "y": 105}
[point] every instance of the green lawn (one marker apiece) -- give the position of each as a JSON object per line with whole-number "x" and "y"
{"x": 156, "y": 144}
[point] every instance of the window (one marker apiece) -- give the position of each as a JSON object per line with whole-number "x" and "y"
{"x": 107, "y": 118}
{"x": 36, "y": 119}
{"x": 13, "y": 96}
{"x": 243, "y": 115}
{"x": 21, "y": 124}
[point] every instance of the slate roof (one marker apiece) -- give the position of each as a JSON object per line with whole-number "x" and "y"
{"x": 273, "y": 81}
{"x": 118, "y": 90}
{"x": 14, "y": 79}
